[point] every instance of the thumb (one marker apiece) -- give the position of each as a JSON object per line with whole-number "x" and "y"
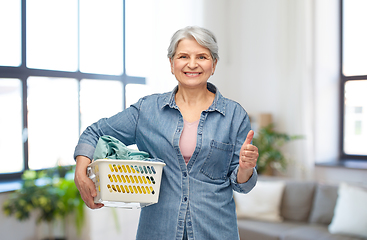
{"x": 249, "y": 137}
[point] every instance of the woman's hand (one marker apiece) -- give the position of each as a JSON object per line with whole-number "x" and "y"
{"x": 248, "y": 158}
{"x": 85, "y": 186}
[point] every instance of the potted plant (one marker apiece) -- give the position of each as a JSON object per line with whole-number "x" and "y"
{"x": 268, "y": 141}
{"x": 51, "y": 194}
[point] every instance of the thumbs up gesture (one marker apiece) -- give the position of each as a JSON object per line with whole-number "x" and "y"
{"x": 247, "y": 160}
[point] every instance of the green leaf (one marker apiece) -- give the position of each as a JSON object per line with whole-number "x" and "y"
{"x": 269, "y": 143}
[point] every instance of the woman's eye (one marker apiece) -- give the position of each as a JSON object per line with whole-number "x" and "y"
{"x": 202, "y": 57}
{"x": 182, "y": 57}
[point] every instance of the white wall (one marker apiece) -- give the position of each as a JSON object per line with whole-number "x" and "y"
{"x": 326, "y": 80}
{"x": 266, "y": 65}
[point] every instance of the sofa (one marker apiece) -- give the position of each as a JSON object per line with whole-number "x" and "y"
{"x": 278, "y": 209}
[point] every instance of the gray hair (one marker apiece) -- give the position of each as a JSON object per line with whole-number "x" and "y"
{"x": 203, "y": 36}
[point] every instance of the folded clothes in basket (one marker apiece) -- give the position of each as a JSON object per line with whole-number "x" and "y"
{"x": 111, "y": 148}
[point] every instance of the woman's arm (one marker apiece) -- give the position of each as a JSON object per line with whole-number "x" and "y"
{"x": 121, "y": 126}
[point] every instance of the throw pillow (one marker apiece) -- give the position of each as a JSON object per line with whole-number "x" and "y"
{"x": 297, "y": 200}
{"x": 350, "y": 214}
{"x": 323, "y": 204}
{"x": 262, "y": 202}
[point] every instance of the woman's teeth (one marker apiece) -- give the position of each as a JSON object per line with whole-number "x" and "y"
{"x": 192, "y": 74}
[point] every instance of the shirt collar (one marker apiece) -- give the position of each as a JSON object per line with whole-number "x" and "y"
{"x": 217, "y": 105}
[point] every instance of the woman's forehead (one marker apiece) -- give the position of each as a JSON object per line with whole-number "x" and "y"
{"x": 191, "y": 46}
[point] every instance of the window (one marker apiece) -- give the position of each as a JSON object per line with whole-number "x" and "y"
{"x": 11, "y": 141}
{"x": 52, "y": 38}
{"x": 93, "y": 107}
{"x": 53, "y": 71}
{"x": 52, "y": 106}
{"x": 10, "y": 42}
{"x": 354, "y": 79}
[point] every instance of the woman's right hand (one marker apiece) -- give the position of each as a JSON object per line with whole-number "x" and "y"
{"x": 84, "y": 184}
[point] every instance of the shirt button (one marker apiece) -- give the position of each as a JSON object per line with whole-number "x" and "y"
{"x": 189, "y": 223}
{"x": 185, "y": 199}
{"x": 185, "y": 174}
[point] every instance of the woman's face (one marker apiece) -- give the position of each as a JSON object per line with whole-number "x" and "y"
{"x": 192, "y": 63}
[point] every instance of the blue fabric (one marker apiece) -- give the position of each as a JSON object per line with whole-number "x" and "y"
{"x": 199, "y": 195}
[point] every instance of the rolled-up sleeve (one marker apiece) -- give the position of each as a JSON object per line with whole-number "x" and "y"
{"x": 246, "y": 186}
{"x": 83, "y": 149}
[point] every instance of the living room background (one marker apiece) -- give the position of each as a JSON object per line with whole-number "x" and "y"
{"x": 279, "y": 57}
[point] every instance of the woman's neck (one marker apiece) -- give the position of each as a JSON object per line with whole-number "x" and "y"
{"x": 194, "y": 96}
{"x": 192, "y": 102}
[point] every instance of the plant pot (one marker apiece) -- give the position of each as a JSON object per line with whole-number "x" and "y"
{"x": 51, "y": 230}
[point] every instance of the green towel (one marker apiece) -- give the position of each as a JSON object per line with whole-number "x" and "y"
{"x": 111, "y": 148}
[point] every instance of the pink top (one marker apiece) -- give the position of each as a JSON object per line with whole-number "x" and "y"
{"x": 188, "y": 139}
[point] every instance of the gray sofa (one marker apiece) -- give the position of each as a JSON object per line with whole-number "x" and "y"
{"x": 307, "y": 209}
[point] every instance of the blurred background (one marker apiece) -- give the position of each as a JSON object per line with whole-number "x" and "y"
{"x": 66, "y": 64}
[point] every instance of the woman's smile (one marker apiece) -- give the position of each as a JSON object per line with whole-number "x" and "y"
{"x": 192, "y": 74}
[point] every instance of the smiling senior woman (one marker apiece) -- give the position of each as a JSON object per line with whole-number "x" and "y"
{"x": 204, "y": 139}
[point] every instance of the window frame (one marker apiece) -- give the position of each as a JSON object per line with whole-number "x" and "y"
{"x": 23, "y": 73}
{"x": 344, "y": 79}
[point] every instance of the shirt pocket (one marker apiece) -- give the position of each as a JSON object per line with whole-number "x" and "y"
{"x": 217, "y": 163}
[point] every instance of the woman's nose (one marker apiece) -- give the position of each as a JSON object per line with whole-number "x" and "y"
{"x": 192, "y": 63}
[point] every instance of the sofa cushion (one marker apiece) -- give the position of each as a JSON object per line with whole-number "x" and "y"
{"x": 313, "y": 232}
{"x": 254, "y": 229}
{"x": 262, "y": 203}
{"x": 350, "y": 215}
{"x": 323, "y": 204}
{"x": 297, "y": 200}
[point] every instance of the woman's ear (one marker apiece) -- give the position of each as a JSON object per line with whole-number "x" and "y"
{"x": 214, "y": 66}
{"x": 171, "y": 63}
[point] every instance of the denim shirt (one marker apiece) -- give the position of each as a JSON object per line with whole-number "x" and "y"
{"x": 198, "y": 196}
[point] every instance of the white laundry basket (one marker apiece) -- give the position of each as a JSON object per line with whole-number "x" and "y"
{"x": 126, "y": 183}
